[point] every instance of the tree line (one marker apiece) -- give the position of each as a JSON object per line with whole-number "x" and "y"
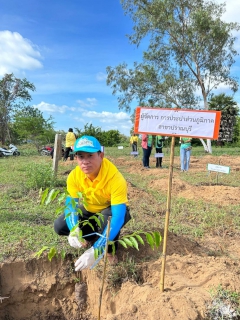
{"x": 20, "y": 122}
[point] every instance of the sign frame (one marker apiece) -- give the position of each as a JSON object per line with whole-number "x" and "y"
{"x": 177, "y": 122}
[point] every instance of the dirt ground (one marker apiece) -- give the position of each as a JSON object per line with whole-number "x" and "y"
{"x": 38, "y": 289}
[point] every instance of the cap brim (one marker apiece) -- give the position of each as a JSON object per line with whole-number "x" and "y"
{"x": 87, "y": 149}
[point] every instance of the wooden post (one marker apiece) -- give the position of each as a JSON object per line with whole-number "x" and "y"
{"x": 167, "y": 215}
{"x": 57, "y": 155}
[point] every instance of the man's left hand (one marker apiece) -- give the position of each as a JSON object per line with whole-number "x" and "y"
{"x": 86, "y": 260}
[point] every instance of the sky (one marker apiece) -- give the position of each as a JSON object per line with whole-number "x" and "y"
{"x": 63, "y": 48}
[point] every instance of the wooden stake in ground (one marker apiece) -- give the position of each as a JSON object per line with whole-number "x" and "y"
{"x": 104, "y": 269}
{"x": 57, "y": 152}
{"x": 167, "y": 214}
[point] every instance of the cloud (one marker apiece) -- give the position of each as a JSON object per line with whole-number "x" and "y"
{"x": 232, "y": 10}
{"x": 107, "y": 117}
{"x": 90, "y": 102}
{"x": 17, "y": 53}
{"x": 101, "y": 76}
{"x": 53, "y": 108}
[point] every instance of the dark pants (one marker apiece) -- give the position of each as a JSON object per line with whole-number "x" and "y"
{"x": 159, "y": 160}
{"x": 146, "y": 156}
{"x": 134, "y": 147}
{"x": 61, "y": 228}
{"x": 66, "y": 153}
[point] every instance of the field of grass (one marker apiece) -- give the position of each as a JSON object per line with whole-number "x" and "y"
{"x": 26, "y": 226}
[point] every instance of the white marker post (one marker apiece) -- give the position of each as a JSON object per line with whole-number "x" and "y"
{"x": 159, "y": 155}
{"x": 175, "y": 123}
{"x": 135, "y": 153}
{"x": 218, "y": 168}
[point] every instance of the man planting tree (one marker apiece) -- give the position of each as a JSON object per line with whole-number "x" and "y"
{"x": 102, "y": 191}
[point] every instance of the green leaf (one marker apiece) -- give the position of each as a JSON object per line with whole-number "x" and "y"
{"x": 134, "y": 242}
{"x": 51, "y": 196}
{"x": 139, "y": 238}
{"x": 122, "y": 243}
{"x": 112, "y": 243}
{"x": 96, "y": 253}
{"x": 79, "y": 211}
{"x": 60, "y": 210}
{"x": 73, "y": 203}
{"x": 158, "y": 238}
{"x": 100, "y": 216}
{"x": 74, "y": 228}
{"x": 97, "y": 220}
{"x": 52, "y": 253}
{"x": 63, "y": 254}
{"x": 44, "y": 195}
{"x": 80, "y": 195}
{"x": 62, "y": 197}
{"x": 56, "y": 193}
{"x": 39, "y": 253}
{"x": 150, "y": 240}
{"x": 128, "y": 242}
{"x": 84, "y": 223}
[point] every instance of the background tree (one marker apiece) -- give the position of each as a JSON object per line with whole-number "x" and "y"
{"x": 89, "y": 130}
{"x": 14, "y": 93}
{"x": 190, "y": 50}
{"x": 236, "y": 132}
{"x": 110, "y": 138}
{"x": 29, "y": 124}
{"x": 106, "y": 138}
{"x": 229, "y": 111}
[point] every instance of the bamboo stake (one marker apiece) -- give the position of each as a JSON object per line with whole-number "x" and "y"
{"x": 167, "y": 215}
{"x": 104, "y": 269}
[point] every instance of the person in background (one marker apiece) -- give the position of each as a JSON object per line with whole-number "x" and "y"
{"x": 185, "y": 152}
{"x": 147, "y": 143}
{"x": 159, "y": 146}
{"x": 134, "y": 143}
{"x": 104, "y": 191}
{"x": 70, "y": 140}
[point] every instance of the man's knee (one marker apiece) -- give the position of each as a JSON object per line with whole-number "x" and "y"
{"x": 60, "y": 226}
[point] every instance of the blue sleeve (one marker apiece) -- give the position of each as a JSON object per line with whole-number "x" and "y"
{"x": 117, "y": 221}
{"x": 70, "y": 212}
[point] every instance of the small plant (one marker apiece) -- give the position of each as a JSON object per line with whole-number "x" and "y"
{"x": 225, "y": 305}
{"x": 153, "y": 238}
{"x": 39, "y": 176}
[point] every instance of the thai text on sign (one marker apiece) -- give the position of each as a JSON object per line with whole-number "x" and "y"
{"x": 177, "y": 122}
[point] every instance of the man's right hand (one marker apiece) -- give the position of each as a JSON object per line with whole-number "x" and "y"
{"x": 73, "y": 240}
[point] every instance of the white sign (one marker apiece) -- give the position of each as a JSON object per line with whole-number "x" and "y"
{"x": 134, "y": 152}
{"x": 159, "y": 155}
{"x": 120, "y": 147}
{"x": 218, "y": 168}
{"x": 178, "y": 122}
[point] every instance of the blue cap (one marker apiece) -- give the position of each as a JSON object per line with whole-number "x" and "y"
{"x": 87, "y": 144}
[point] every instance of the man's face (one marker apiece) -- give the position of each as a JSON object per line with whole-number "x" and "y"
{"x": 90, "y": 163}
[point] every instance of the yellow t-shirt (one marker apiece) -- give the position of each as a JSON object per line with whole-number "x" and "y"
{"x": 70, "y": 139}
{"x": 133, "y": 139}
{"x": 108, "y": 188}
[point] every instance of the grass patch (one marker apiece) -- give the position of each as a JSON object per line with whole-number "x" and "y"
{"x": 25, "y": 226}
{"x": 225, "y": 304}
